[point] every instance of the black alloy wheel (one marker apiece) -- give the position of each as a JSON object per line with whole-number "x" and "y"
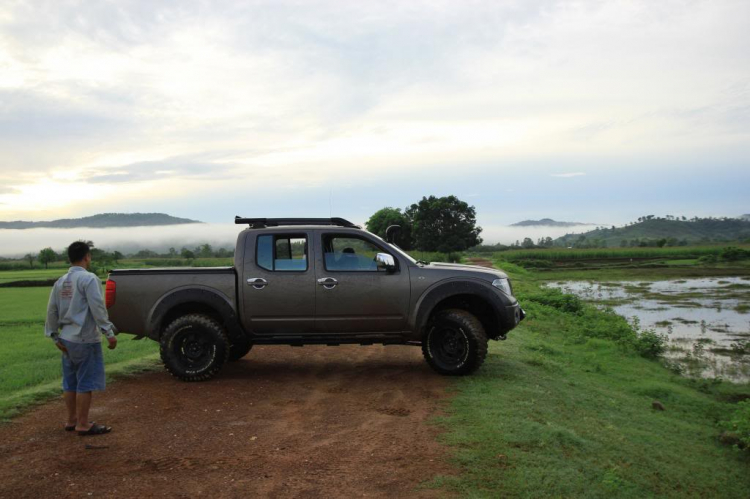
{"x": 455, "y": 343}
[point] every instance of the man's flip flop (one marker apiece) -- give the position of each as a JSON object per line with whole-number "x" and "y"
{"x": 96, "y": 429}
{"x": 70, "y": 427}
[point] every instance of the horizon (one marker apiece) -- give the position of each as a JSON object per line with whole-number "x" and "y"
{"x": 520, "y": 109}
{"x": 131, "y": 239}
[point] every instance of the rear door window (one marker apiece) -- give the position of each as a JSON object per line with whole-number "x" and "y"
{"x": 282, "y": 252}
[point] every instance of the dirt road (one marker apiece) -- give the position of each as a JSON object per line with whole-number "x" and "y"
{"x": 344, "y": 421}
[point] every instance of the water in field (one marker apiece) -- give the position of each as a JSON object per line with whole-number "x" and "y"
{"x": 707, "y": 320}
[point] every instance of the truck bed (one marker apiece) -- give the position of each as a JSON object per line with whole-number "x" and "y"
{"x": 139, "y": 292}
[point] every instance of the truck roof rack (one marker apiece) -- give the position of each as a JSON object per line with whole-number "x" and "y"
{"x": 262, "y": 223}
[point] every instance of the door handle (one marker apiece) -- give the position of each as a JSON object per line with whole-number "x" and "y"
{"x": 257, "y": 282}
{"x": 328, "y": 282}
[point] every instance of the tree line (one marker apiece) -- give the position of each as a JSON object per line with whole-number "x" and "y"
{"x": 103, "y": 257}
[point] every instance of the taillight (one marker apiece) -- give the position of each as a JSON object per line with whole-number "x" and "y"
{"x": 110, "y": 293}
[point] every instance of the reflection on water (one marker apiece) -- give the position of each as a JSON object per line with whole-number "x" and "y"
{"x": 707, "y": 320}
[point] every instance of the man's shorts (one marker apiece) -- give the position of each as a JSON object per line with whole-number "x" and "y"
{"x": 82, "y": 367}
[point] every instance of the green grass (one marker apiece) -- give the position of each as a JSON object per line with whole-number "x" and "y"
{"x": 559, "y": 254}
{"x": 30, "y": 363}
{"x": 558, "y": 412}
{"x": 31, "y": 274}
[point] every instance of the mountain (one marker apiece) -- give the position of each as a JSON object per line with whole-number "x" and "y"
{"x": 653, "y": 229}
{"x": 546, "y": 222}
{"x": 102, "y": 221}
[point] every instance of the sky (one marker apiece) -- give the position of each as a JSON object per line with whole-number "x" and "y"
{"x": 580, "y": 111}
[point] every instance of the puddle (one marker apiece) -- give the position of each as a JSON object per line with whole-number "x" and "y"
{"x": 707, "y": 320}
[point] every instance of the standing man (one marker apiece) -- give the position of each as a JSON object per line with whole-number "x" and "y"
{"x": 76, "y": 317}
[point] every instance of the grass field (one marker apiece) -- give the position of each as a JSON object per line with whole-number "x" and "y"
{"x": 29, "y": 362}
{"x": 31, "y": 274}
{"x": 560, "y": 254}
{"x": 558, "y": 411}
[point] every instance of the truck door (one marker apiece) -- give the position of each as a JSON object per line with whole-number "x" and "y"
{"x": 353, "y": 295}
{"x": 278, "y": 282}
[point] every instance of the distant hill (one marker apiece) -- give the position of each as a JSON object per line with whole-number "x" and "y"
{"x": 102, "y": 221}
{"x": 546, "y": 222}
{"x": 745, "y": 217}
{"x": 653, "y": 229}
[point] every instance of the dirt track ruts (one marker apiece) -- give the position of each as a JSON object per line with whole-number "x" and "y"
{"x": 345, "y": 421}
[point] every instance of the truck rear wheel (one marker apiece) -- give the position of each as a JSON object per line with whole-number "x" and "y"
{"x": 194, "y": 347}
{"x": 455, "y": 343}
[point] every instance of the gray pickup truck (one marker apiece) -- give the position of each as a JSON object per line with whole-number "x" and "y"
{"x": 313, "y": 281}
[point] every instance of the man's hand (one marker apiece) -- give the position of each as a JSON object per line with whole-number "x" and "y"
{"x": 61, "y": 347}
{"x": 112, "y": 342}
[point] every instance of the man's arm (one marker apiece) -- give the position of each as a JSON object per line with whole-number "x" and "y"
{"x": 52, "y": 324}
{"x": 98, "y": 309}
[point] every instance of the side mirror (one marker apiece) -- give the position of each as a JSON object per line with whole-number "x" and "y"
{"x": 386, "y": 262}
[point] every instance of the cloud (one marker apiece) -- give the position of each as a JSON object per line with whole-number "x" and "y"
{"x": 567, "y": 175}
{"x": 8, "y": 190}
{"x": 146, "y": 171}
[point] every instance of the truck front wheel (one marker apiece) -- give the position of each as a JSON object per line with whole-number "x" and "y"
{"x": 455, "y": 343}
{"x": 194, "y": 347}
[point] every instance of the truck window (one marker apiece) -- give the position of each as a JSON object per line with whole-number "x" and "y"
{"x": 282, "y": 252}
{"x": 347, "y": 253}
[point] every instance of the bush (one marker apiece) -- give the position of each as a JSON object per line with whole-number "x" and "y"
{"x": 739, "y": 423}
{"x": 651, "y": 344}
{"x": 733, "y": 254}
{"x": 559, "y": 300}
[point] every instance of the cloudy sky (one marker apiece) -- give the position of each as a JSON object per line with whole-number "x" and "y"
{"x": 586, "y": 111}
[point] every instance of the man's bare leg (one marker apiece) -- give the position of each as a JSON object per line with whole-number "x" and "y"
{"x": 70, "y": 404}
{"x": 83, "y": 404}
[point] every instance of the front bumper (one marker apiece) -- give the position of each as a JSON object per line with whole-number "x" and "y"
{"x": 509, "y": 317}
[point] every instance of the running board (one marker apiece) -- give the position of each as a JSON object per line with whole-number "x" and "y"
{"x": 329, "y": 340}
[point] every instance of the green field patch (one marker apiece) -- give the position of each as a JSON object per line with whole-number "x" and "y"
{"x": 30, "y": 275}
{"x": 527, "y": 425}
{"x": 19, "y": 305}
{"x": 30, "y": 364}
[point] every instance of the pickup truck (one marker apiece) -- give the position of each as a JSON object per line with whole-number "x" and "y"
{"x": 307, "y": 281}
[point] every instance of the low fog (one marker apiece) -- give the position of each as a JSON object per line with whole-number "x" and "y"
{"x": 16, "y": 243}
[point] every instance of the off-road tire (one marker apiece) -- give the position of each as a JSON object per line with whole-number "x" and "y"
{"x": 194, "y": 347}
{"x": 455, "y": 343}
{"x": 239, "y": 348}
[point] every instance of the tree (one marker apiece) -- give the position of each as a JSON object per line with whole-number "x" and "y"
{"x": 206, "y": 251}
{"x": 47, "y": 256}
{"x": 30, "y": 257}
{"x": 444, "y": 224}
{"x": 172, "y": 253}
{"x": 117, "y": 256}
{"x": 527, "y": 243}
{"x": 186, "y": 253}
{"x": 384, "y": 218}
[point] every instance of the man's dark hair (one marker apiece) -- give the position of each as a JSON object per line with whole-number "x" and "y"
{"x": 78, "y": 251}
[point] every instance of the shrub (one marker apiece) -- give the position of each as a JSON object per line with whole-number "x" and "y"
{"x": 733, "y": 254}
{"x": 651, "y": 344}
{"x": 559, "y": 300}
{"x": 739, "y": 423}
